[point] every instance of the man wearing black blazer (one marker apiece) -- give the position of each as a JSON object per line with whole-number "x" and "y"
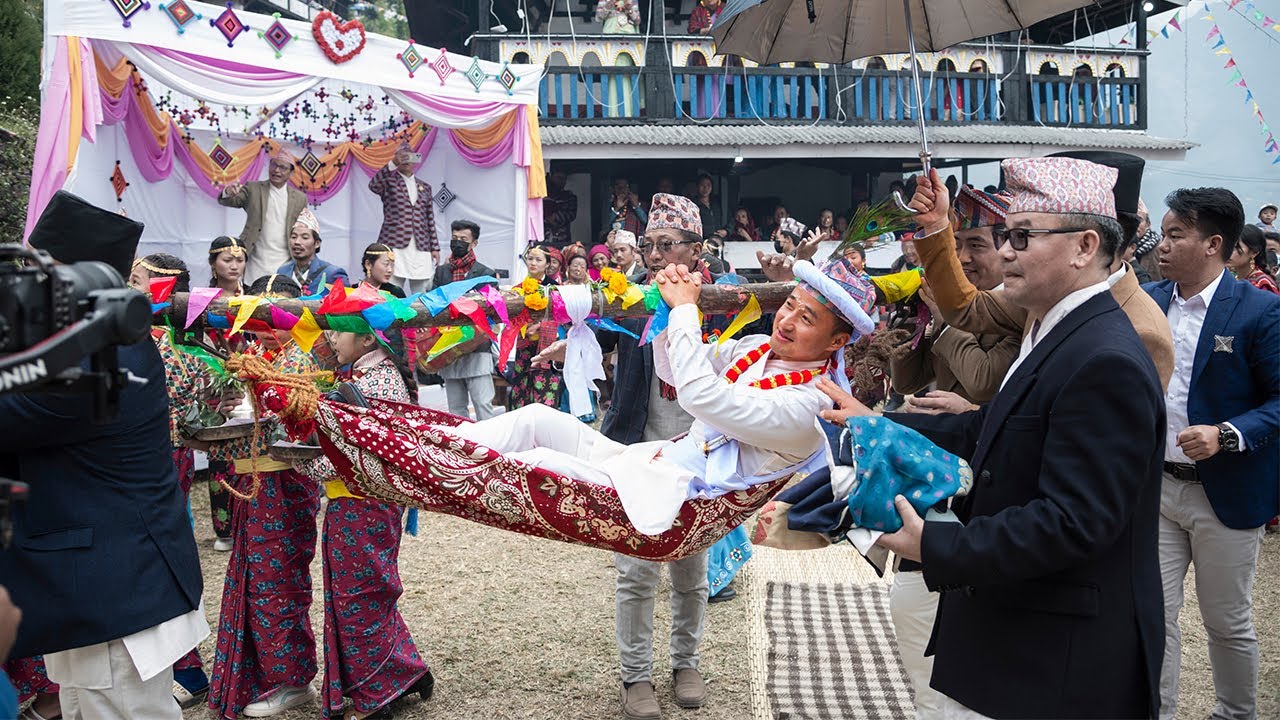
{"x": 1221, "y": 458}
{"x": 103, "y": 562}
{"x": 1051, "y": 588}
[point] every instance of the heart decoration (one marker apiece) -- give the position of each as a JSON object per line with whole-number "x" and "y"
{"x": 339, "y": 40}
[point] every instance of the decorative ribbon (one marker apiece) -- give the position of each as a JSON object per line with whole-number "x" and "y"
{"x": 583, "y": 360}
{"x": 283, "y": 319}
{"x": 496, "y": 301}
{"x": 467, "y": 307}
{"x": 510, "y": 332}
{"x": 608, "y": 324}
{"x": 748, "y": 315}
{"x": 162, "y": 288}
{"x": 198, "y": 301}
{"x": 306, "y": 330}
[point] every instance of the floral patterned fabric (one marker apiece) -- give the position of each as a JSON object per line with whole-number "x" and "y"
{"x": 397, "y": 453}
{"x": 726, "y": 558}
{"x": 369, "y": 654}
{"x": 531, "y": 384}
{"x": 265, "y": 640}
{"x": 219, "y": 498}
{"x": 29, "y": 677}
{"x": 186, "y": 379}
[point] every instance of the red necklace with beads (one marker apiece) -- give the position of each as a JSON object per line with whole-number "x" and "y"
{"x": 795, "y": 377}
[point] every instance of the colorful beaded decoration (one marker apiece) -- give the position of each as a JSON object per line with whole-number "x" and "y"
{"x": 795, "y": 377}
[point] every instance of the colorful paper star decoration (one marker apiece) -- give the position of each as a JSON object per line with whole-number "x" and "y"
{"x": 475, "y": 74}
{"x": 181, "y": 14}
{"x": 118, "y": 182}
{"x": 310, "y": 164}
{"x": 442, "y": 66}
{"x": 129, "y": 8}
{"x": 229, "y": 24}
{"x": 411, "y": 58}
{"x": 277, "y": 36}
{"x": 507, "y": 78}
{"x": 444, "y": 197}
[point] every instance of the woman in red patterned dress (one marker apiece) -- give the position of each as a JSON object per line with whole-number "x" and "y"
{"x": 1249, "y": 259}
{"x": 369, "y": 654}
{"x": 265, "y": 656}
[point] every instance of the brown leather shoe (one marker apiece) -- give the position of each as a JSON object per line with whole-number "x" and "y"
{"x": 690, "y": 691}
{"x": 640, "y": 702}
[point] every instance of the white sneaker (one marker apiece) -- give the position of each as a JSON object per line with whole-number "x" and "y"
{"x": 282, "y": 699}
{"x": 222, "y": 545}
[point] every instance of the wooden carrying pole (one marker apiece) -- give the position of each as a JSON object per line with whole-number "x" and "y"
{"x": 714, "y": 300}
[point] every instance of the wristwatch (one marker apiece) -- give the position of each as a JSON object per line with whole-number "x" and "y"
{"x": 1228, "y": 438}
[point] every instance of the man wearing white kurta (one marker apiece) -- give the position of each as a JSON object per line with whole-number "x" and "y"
{"x": 754, "y": 408}
{"x": 271, "y": 209}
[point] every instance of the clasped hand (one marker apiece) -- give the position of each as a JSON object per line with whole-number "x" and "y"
{"x": 678, "y": 286}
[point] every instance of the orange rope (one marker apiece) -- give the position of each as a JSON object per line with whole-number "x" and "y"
{"x": 303, "y": 398}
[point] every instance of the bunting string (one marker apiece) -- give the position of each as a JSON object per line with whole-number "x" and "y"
{"x": 1237, "y": 78}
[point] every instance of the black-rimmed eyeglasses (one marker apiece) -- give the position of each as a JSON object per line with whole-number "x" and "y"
{"x": 1018, "y": 237}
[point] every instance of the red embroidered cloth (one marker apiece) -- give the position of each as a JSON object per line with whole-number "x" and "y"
{"x": 392, "y": 452}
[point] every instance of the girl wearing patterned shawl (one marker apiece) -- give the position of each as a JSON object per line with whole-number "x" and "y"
{"x": 532, "y": 382}
{"x": 265, "y": 656}
{"x": 187, "y": 380}
{"x": 227, "y": 259}
{"x": 369, "y": 655}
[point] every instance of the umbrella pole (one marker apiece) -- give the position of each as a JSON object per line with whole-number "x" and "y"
{"x": 925, "y": 155}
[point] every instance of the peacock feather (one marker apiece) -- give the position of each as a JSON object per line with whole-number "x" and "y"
{"x": 871, "y": 221}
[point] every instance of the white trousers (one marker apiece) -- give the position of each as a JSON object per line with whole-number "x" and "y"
{"x": 128, "y": 696}
{"x": 651, "y": 490}
{"x": 1226, "y": 561}
{"x": 412, "y": 287}
{"x": 913, "y": 609}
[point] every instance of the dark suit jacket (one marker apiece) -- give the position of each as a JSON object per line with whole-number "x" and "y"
{"x": 1053, "y": 604}
{"x": 102, "y": 549}
{"x": 1242, "y": 387}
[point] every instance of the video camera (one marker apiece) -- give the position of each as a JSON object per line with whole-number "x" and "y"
{"x": 53, "y": 316}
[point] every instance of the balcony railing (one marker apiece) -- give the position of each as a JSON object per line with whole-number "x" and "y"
{"x": 673, "y": 83}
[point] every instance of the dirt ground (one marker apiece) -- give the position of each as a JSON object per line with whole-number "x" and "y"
{"x": 521, "y": 628}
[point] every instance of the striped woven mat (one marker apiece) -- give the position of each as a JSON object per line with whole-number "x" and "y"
{"x": 832, "y": 653}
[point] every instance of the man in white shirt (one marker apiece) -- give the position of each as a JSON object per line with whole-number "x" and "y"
{"x": 623, "y": 251}
{"x": 1221, "y": 456}
{"x": 271, "y": 208}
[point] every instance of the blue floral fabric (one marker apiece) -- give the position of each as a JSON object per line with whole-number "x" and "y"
{"x": 891, "y": 460}
{"x": 726, "y": 558}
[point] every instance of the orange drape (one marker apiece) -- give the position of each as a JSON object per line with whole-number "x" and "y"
{"x": 488, "y": 136}
{"x": 115, "y": 81}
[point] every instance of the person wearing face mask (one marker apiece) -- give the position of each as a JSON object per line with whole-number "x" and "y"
{"x": 469, "y": 379}
{"x": 271, "y": 208}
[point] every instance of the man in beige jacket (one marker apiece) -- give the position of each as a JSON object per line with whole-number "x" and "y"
{"x": 271, "y": 208}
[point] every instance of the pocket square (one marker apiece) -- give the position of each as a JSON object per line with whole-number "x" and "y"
{"x": 1223, "y": 344}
